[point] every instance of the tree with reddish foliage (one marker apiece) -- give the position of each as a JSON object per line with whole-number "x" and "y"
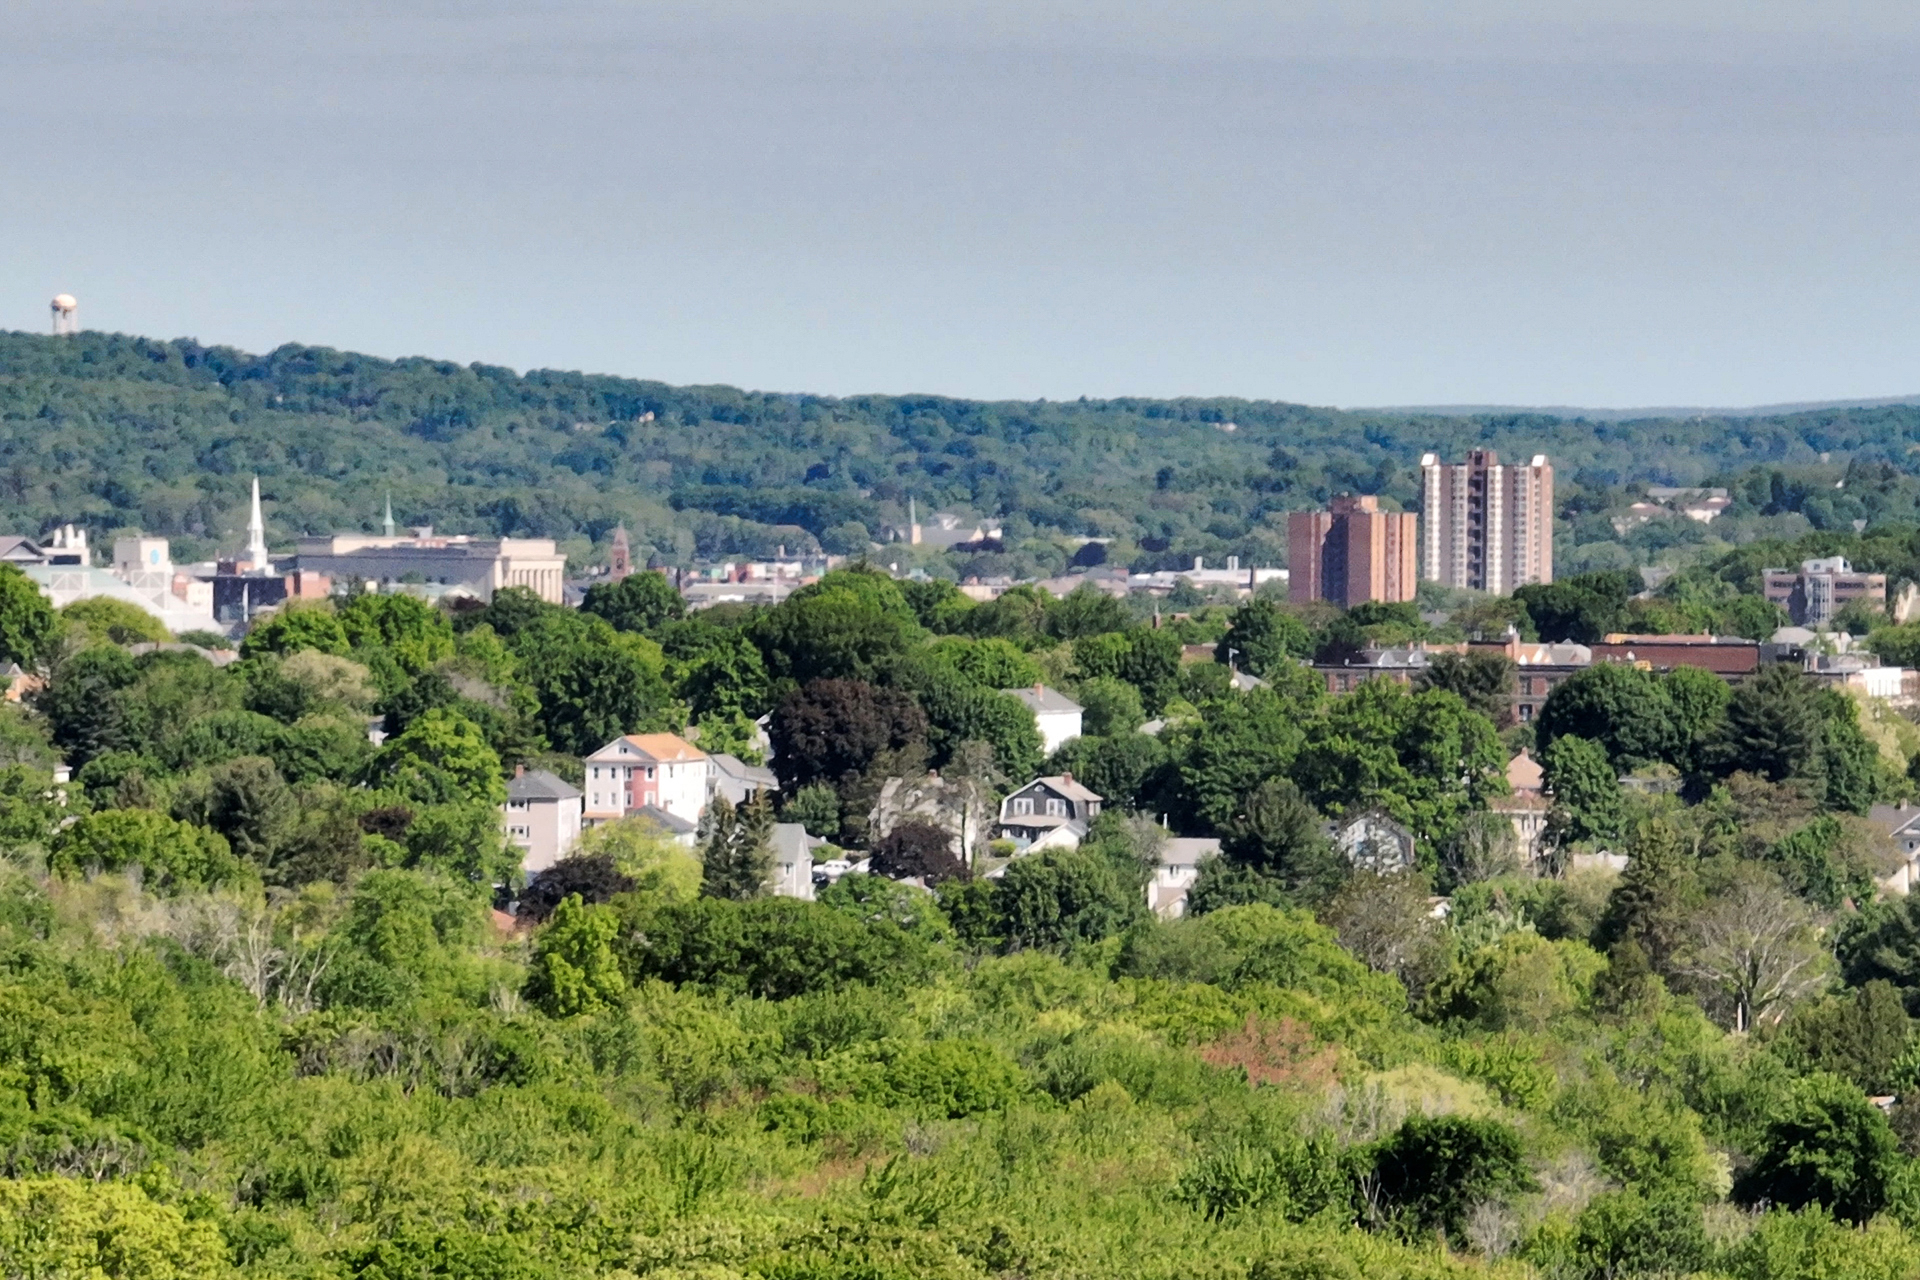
{"x": 593, "y": 877}
{"x": 849, "y": 735}
{"x": 918, "y": 849}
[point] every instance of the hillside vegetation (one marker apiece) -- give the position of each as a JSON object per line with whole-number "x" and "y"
{"x": 258, "y": 1018}
{"x": 122, "y": 432}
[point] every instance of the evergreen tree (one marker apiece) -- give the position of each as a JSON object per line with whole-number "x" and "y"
{"x": 1651, "y": 903}
{"x": 736, "y": 853}
{"x": 1278, "y": 835}
{"x": 1848, "y": 762}
{"x": 1773, "y": 726}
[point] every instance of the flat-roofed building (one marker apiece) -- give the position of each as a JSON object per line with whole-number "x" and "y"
{"x": 483, "y": 565}
{"x": 1485, "y": 525}
{"x": 1821, "y": 588}
{"x": 1352, "y": 553}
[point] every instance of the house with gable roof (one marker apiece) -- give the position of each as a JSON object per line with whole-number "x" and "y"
{"x": 542, "y": 816}
{"x": 638, "y": 770}
{"x": 1048, "y": 813}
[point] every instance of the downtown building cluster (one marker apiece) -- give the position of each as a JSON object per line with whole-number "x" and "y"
{"x": 1484, "y": 525}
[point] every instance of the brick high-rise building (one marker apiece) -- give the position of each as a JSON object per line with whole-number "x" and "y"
{"x": 1486, "y": 526}
{"x": 1352, "y": 553}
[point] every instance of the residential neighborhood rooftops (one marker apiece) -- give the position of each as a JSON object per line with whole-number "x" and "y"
{"x": 538, "y": 784}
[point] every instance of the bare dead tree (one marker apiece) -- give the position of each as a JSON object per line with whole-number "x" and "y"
{"x": 1753, "y": 951}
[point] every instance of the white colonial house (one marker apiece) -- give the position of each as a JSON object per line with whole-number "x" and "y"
{"x": 1057, "y": 715}
{"x": 638, "y": 770}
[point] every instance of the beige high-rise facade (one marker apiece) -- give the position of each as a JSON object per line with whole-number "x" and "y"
{"x": 1352, "y": 553}
{"x": 1484, "y": 525}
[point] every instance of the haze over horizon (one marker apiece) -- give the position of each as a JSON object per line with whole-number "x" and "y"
{"x": 1395, "y": 203}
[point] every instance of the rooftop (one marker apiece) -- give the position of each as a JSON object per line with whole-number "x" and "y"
{"x": 1040, "y": 698}
{"x": 660, "y": 748}
{"x": 538, "y": 784}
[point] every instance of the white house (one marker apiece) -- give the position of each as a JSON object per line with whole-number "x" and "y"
{"x": 542, "y": 817}
{"x": 1048, "y": 813}
{"x": 793, "y": 860}
{"x": 1179, "y": 867}
{"x": 1901, "y": 823}
{"x": 1057, "y": 715}
{"x": 641, "y": 769}
{"x": 737, "y": 780}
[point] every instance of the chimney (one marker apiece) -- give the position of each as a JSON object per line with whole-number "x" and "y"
{"x": 1067, "y": 778}
{"x": 519, "y": 771}
{"x": 1037, "y": 688}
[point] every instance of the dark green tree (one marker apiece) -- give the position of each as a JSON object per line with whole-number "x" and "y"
{"x": 247, "y": 801}
{"x": 1484, "y": 681}
{"x": 638, "y": 602}
{"x": 1433, "y": 1171}
{"x": 1699, "y": 700}
{"x": 736, "y": 853}
{"x": 27, "y": 624}
{"x": 1587, "y": 801}
{"x": 1059, "y": 897}
{"x": 590, "y": 695}
{"x": 1624, "y": 709}
{"x": 1263, "y": 637}
{"x": 82, "y": 705}
{"x": 846, "y": 626}
{"x": 1829, "y": 1146}
{"x": 1773, "y": 726}
{"x": 1859, "y": 1036}
{"x": 1582, "y": 609}
{"x": 1883, "y": 945}
{"x": 1278, "y": 834}
{"x": 1655, "y": 897}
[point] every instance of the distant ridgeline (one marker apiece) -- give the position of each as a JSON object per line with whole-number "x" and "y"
{"x": 115, "y": 432}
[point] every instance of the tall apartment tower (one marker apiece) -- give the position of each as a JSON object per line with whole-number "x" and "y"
{"x": 1352, "y": 553}
{"x": 1486, "y": 526}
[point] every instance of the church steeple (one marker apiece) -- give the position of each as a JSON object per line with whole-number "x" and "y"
{"x": 620, "y": 555}
{"x": 387, "y": 524}
{"x": 257, "y": 534}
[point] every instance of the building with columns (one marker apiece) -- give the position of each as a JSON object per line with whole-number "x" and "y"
{"x": 483, "y": 565}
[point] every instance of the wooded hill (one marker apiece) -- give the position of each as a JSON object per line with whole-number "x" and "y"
{"x": 112, "y": 431}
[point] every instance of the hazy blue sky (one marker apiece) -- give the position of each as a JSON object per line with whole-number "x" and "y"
{"x": 1386, "y": 203}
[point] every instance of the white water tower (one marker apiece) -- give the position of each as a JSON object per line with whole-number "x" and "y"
{"x": 64, "y": 318}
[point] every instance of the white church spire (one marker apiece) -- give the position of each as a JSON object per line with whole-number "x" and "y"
{"x": 257, "y": 534}
{"x": 387, "y": 524}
